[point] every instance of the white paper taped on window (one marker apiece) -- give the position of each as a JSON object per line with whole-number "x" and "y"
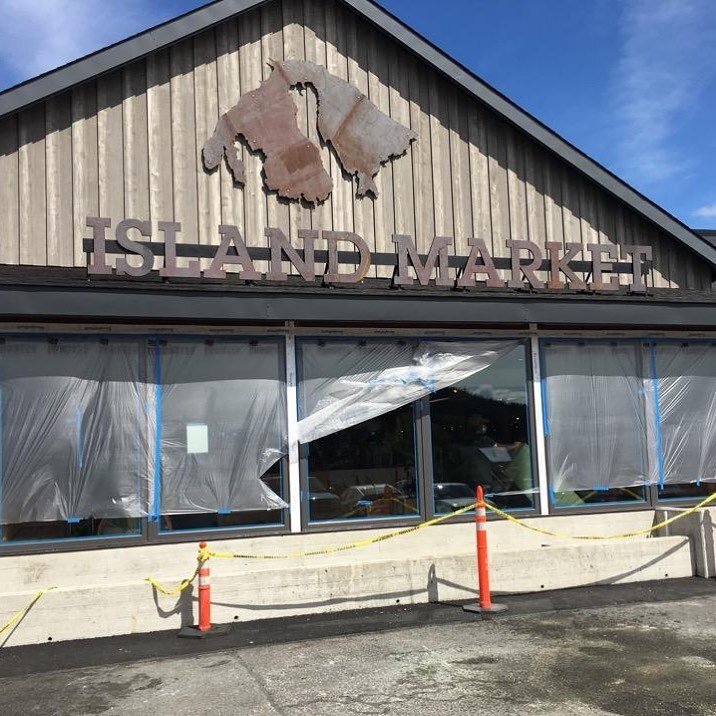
{"x": 348, "y": 382}
{"x": 682, "y": 408}
{"x": 223, "y": 417}
{"x": 596, "y": 415}
{"x": 75, "y": 432}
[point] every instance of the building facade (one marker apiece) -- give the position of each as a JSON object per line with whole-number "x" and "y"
{"x": 284, "y": 267}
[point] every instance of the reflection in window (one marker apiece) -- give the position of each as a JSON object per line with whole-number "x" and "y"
{"x": 109, "y": 527}
{"x": 480, "y": 436}
{"x": 577, "y": 498}
{"x": 687, "y": 491}
{"x": 365, "y": 471}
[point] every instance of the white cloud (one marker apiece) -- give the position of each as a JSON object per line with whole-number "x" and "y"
{"x": 666, "y": 62}
{"x": 706, "y": 212}
{"x": 39, "y": 35}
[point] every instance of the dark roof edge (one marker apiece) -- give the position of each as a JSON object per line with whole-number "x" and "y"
{"x": 207, "y": 16}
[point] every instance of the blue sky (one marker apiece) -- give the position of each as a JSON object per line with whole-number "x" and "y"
{"x": 630, "y": 82}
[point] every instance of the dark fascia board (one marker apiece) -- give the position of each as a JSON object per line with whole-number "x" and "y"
{"x": 216, "y": 12}
{"x": 33, "y": 303}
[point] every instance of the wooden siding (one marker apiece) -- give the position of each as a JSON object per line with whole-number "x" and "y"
{"x": 129, "y": 145}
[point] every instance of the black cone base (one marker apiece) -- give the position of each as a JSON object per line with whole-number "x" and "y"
{"x": 193, "y": 632}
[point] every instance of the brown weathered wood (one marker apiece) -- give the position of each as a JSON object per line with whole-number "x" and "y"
{"x": 110, "y": 138}
{"x": 206, "y": 115}
{"x": 379, "y": 94}
{"x": 58, "y": 126}
{"x": 315, "y": 49}
{"x": 33, "y": 211}
{"x": 9, "y": 192}
{"x": 294, "y": 48}
{"x": 85, "y": 176}
{"x": 272, "y": 49}
{"x": 136, "y": 141}
{"x": 479, "y": 176}
{"x": 363, "y": 207}
{"x": 460, "y": 162}
{"x": 183, "y": 136}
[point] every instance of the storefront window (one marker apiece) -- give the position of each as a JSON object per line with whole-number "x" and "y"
{"x": 221, "y": 413}
{"x": 480, "y": 436}
{"x": 687, "y": 491}
{"x": 273, "y": 479}
{"x": 367, "y": 470}
{"x": 74, "y": 437}
{"x": 596, "y": 421}
{"x": 359, "y": 461}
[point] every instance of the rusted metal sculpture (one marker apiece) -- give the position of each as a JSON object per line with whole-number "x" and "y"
{"x": 362, "y": 136}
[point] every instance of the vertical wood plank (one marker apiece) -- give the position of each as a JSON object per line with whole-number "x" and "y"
{"x": 272, "y": 49}
{"x": 337, "y": 63}
{"x": 499, "y": 201}
{"x": 606, "y": 222}
{"x": 251, "y": 72}
{"x": 294, "y": 49}
{"x": 184, "y": 149}
{"x": 315, "y": 44}
{"x": 363, "y": 214}
{"x": 460, "y": 163}
{"x": 33, "y": 208}
{"x": 399, "y": 82}
{"x": 9, "y": 191}
{"x": 229, "y": 90}
{"x": 136, "y": 141}
{"x": 379, "y": 94}
{"x": 160, "y": 146}
{"x": 110, "y": 149}
{"x": 440, "y": 147}
{"x": 479, "y": 175}
{"x": 85, "y": 174}
{"x": 60, "y": 243}
{"x": 206, "y": 116}
{"x": 587, "y": 211}
{"x": 517, "y": 195}
{"x": 554, "y": 227}
{"x": 535, "y": 168}
{"x": 421, "y": 153}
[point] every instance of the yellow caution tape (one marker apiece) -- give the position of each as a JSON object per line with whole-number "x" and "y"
{"x": 623, "y": 535}
{"x": 344, "y": 547}
{"x": 26, "y": 609}
{"x": 203, "y": 557}
{"x": 206, "y": 554}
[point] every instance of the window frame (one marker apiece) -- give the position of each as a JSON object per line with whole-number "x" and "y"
{"x": 148, "y": 532}
{"x": 423, "y": 444}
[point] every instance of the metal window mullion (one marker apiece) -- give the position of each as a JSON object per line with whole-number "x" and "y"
{"x": 540, "y": 443}
{"x": 294, "y": 473}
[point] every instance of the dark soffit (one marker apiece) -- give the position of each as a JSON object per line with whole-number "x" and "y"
{"x": 171, "y": 32}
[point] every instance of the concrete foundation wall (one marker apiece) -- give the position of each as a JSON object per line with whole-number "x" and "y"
{"x": 700, "y": 528}
{"x": 101, "y": 593}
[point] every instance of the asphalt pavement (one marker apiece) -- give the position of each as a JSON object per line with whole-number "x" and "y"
{"x": 632, "y": 650}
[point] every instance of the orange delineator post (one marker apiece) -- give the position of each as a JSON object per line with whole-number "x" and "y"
{"x": 204, "y": 628}
{"x": 204, "y": 594}
{"x": 484, "y": 604}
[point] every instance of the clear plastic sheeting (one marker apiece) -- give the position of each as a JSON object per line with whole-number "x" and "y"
{"x": 348, "y": 382}
{"x": 683, "y": 407}
{"x": 75, "y": 439}
{"x": 595, "y": 412}
{"x": 222, "y": 412}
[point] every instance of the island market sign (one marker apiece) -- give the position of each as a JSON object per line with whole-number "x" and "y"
{"x": 345, "y": 258}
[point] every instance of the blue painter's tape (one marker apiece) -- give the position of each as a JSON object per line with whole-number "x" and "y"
{"x": 73, "y": 520}
{"x": 545, "y": 419}
{"x": 224, "y": 512}
{"x": 657, "y": 411}
{"x": 601, "y": 488}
